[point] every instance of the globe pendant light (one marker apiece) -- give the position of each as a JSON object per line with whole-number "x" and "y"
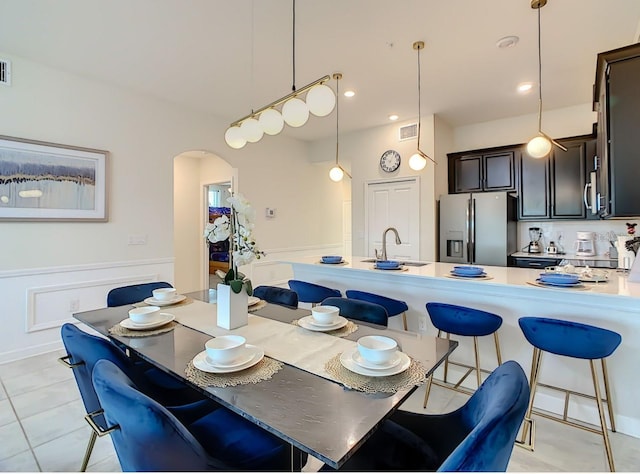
{"x": 271, "y": 121}
{"x": 419, "y": 159}
{"x": 233, "y": 137}
{"x": 321, "y": 100}
{"x": 251, "y": 130}
{"x": 540, "y": 145}
{"x": 337, "y": 172}
{"x": 295, "y": 112}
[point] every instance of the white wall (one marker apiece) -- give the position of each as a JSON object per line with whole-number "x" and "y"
{"x": 48, "y": 268}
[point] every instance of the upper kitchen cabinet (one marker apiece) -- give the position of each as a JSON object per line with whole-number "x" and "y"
{"x": 553, "y": 187}
{"x": 617, "y": 101}
{"x": 479, "y": 171}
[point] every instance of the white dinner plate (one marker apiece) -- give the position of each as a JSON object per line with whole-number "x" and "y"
{"x": 362, "y": 362}
{"x": 245, "y": 357}
{"x": 200, "y": 362}
{"x": 347, "y": 361}
{"x": 128, "y": 324}
{"x": 309, "y": 323}
{"x": 154, "y": 302}
{"x": 253, "y": 300}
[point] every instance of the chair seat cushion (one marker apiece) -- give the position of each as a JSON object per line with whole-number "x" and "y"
{"x": 238, "y": 442}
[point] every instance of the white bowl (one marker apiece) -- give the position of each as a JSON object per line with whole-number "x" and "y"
{"x": 325, "y": 314}
{"x": 164, "y": 294}
{"x": 225, "y": 349}
{"x": 377, "y": 349}
{"x": 144, "y": 314}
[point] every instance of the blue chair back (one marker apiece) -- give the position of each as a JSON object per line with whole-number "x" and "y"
{"x": 277, "y": 295}
{"x": 148, "y": 437}
{"x": 133, "y": 293}
{"x": 568, "y": 338}
{"x": 463, "y": 321}
{"x": 310, "y": 292}
{"x": 393, "y": 306}
{"x": 493, "y": 416}
{"x": 360, "y": 310}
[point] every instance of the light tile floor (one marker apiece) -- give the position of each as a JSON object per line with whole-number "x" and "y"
{"x": 42, "y": 428}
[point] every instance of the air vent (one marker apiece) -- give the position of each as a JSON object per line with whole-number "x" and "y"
{"x": 408, "y": 132}
{"x": 5, "y": 72}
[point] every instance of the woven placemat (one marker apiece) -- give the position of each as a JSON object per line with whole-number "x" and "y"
{"x": 259, "y": 305}
{"x": 414, "y": 375}
{"x": 344, "y": 331}
{"x": 458, "y": 277}
{"x": 118, "y": 330}
{"x": 263, "y": 370}
{"x": 577, "y": 286}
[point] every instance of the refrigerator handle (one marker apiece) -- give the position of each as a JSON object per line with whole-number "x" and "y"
{"x": 471, "y": 223}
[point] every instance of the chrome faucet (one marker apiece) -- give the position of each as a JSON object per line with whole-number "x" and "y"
{"x": 384, "y": 242}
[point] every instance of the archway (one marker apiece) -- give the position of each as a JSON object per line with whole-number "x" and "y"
{"x": 193, "y": 171}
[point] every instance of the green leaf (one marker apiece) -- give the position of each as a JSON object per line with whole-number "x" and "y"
{"x": 248, "y": 287}
{"x": 236, "y": 285}
{"x": 229, "y": 277}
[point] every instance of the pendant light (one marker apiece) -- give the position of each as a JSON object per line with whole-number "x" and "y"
{"x": 540, "y": 145}
{"x": 419, "y": 159}
{"x": 320, "y": 101}
{"x": 337, "y": 172}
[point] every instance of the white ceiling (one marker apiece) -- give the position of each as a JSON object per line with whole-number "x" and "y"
{"x": 226, "y": 57}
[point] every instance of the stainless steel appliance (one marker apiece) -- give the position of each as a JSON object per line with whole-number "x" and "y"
{"x": 535, "y": 234}
{"x": 477, "y": 228}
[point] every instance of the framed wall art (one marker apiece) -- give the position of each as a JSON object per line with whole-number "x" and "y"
{"x": 42, "y": 181}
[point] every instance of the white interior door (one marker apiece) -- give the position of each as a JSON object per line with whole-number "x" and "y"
{"x": 394, "y": 203}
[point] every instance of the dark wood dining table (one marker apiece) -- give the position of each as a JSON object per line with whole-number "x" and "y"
{"x": 319, "y": 416}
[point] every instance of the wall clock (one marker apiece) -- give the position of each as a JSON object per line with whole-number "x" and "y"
{"x": 390, "y": 161}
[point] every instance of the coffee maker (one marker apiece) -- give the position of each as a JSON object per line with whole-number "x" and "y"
{"x": 535, "y": 234}
{"x": 585, "y": 244}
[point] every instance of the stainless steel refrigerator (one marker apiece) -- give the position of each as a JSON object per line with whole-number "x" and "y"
{"x": 478, "y": 228}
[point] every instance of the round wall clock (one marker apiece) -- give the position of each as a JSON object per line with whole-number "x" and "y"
{"x": 390, "y": 161}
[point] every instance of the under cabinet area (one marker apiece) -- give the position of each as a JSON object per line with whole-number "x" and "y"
{"x": 491, "y": 170}
{"x": 553, "y": 187}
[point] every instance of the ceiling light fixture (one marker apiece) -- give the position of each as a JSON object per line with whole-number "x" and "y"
{"x": 349, "y": 93}
{"x": 320, "y": 101}
{"x": 337, "y": 172}
{"x": 507, "y": 42}
{"x": 540, "y": 145}
{"x": 419, "y": 159}
{"x": 393, "y": 117}
{"x": 525, "y": 87}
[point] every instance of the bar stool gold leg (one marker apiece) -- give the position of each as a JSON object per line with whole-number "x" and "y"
{"x": 475, "y": 348}
{"x": 528, "y": 428}
{"x": 607, "y": 392}
{"x": 404, "y": 320}
{"x": 446, "y": 362}
{"x": 497, "y": 341}
{"x": 603, "y": 424}
{"x": 427, "y": 391}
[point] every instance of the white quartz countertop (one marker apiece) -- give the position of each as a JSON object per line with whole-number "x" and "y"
{"x": 617, "y": 285}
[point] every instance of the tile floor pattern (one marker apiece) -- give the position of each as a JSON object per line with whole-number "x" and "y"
{"x": 42, "y": 428}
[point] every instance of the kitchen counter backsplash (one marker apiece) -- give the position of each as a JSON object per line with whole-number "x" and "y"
{"x": 563, "y": 233}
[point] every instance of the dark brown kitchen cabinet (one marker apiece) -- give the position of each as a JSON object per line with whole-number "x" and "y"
{"x": 553, "y": 187}
{"x": 480, "y": 171}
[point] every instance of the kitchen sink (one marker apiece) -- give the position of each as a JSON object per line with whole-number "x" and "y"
{"x": 408, "y": 264}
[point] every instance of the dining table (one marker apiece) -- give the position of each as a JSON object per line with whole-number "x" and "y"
{"x": 300, "y": 402}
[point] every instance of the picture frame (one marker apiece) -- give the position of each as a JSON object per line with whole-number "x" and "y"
{"x": 41, "y": 181}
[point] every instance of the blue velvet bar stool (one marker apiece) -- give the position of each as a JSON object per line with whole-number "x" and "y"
{"x": 393, "y": 307}
{"x": 312, "y": 293}
{"x": 133, "y": 293}
{"x": 580, "y": 341}
{"x": 277, "y": 295}
{"x": 463, "y": 321}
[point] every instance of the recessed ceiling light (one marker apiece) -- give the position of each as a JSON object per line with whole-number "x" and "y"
{"x": 349, "y": 93}
{"x": 393, "y": 117}
{"x": 507, "y": 42}
{"x": 525, "y": 87}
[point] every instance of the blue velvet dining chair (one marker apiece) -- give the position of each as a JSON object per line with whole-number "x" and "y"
{"x": 393, "y": 306}
{"x": 148, "y": 437}
{"x": 133, "y": 293}
{"x": 360, "y": 310}
{"x": 277, "y": 295}
{"x": 479, "y": 436}
{"x": 311, "y": 292}
{"x": 85, "y": 350}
